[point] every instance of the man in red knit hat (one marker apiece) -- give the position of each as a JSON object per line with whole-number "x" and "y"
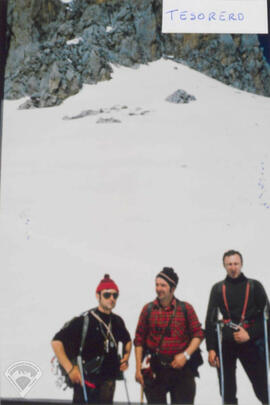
{"x": 87, "y": 348}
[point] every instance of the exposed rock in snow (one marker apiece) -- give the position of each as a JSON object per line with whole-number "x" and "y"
{"x": 108, "y": 120}
{"x": 180, "y": 97}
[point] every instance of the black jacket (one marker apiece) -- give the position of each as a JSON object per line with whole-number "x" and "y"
{"x": 70, "y": 335}
{"x": 235, "y": 293}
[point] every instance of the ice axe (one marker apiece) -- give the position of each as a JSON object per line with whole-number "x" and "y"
{"x": 79, "y": 361}
{"x": 265, "y": 324}
{"x": 141, "y": 399}
{"x": 219, "y": 336}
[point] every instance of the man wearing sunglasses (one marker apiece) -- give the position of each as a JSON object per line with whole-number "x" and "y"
{"x": 95, "y": 336}
{"x": 167, "y": 335}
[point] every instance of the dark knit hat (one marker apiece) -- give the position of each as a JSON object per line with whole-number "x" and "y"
{"x": 107, "y": 284}
{"x": 169, "y": 275}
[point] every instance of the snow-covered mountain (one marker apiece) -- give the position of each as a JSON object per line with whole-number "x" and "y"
{"x": 133, "y": 185}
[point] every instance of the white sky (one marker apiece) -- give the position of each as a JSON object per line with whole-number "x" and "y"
{"x": 171, "y": 185}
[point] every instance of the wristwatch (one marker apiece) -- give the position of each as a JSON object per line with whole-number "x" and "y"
{"x": 187, "y": 356}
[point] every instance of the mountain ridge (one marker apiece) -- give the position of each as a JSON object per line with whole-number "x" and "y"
{"x": 56, "y": 47}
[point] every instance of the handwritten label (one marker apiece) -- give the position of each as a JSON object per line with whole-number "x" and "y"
{"x": 215, "y": 16}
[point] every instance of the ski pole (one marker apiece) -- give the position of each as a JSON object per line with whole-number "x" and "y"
{"x": 265, "y": 321}
{"x": 219, "y": 323}
{"x": 126, "y": 388}
{"x": 79, "y": 359}
{"x": 123, "y": 375}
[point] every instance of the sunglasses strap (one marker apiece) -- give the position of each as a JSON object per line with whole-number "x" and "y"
{"x": 105, "y": 325}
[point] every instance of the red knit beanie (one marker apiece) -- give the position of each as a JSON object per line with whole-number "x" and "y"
{"x": 107, "y": 284}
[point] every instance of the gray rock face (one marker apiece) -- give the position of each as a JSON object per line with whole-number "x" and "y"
{"x": 85, "y": 113}
{"x": 108, "y": 120}
{"x": 56, "y": 47}
{"x": 180, "y": 97}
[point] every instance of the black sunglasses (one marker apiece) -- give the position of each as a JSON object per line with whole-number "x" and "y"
{"x": 108, "y": 295}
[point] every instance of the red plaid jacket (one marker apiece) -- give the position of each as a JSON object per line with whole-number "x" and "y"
{"x": 149, "y": 332}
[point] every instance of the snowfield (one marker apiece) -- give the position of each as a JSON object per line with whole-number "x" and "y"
{"x": 135, "y": 184}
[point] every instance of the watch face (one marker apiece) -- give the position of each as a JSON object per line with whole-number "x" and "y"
{"x": 187, "y": 356}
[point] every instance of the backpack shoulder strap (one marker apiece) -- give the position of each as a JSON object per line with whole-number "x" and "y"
{"x": 251, "y": 286}
{"x": 184, "y": 309}
{"x": 219, "y": 287}
{"x": 149, "y": 310}
{"x": 221, "y": 294}
{"x": 220, "y": 284}
{"x": 84, "y": 330}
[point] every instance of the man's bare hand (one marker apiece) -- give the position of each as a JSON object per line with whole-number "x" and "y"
{"x": 213, "y": 359}
{"x": 123, "y": 364}
{"x": 139, "y": 377}
{"x": 179, "y": 360}
{"x": 241, "y": 336}
{"x": 75, "y": 376}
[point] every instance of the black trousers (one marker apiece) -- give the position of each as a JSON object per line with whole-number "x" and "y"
{"x": 254, "y": 365}
{"x": 179, "y": 383}
{"x": 102, "y": 394}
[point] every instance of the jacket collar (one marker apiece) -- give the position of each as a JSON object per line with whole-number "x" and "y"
{"x": 156, "y": 304}
{"x": 240, "y": 279}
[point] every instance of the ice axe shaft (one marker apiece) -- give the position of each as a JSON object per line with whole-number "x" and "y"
{"x": 221, "y": 370}
{"x": 265, "y": 324}
{"x": 141, "y": 399}
{"x": 79, "y": 360}
{"x": 126, "y": 388}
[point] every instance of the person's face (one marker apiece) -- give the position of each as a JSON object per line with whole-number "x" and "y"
{"x": 107, "y": 299}
{"x": 233, "y": 265}
{"x": 163, "y": 290}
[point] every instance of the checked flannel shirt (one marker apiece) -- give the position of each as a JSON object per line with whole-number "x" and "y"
{"x": 149, "y": 331}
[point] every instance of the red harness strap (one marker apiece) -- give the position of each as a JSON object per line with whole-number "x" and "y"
{"x": 227, "y": 306}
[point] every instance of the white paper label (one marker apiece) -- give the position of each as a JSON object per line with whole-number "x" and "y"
{"x": 215, "y": 16}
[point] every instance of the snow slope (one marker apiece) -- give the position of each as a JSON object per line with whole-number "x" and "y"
{"x": 173, "y": 185}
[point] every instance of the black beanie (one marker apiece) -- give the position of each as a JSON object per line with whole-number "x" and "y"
{"x": 168, "y": 274}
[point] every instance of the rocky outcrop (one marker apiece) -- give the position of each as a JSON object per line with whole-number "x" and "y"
{"x": 56, "y": 47}
{"x": 180, "y": 97}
